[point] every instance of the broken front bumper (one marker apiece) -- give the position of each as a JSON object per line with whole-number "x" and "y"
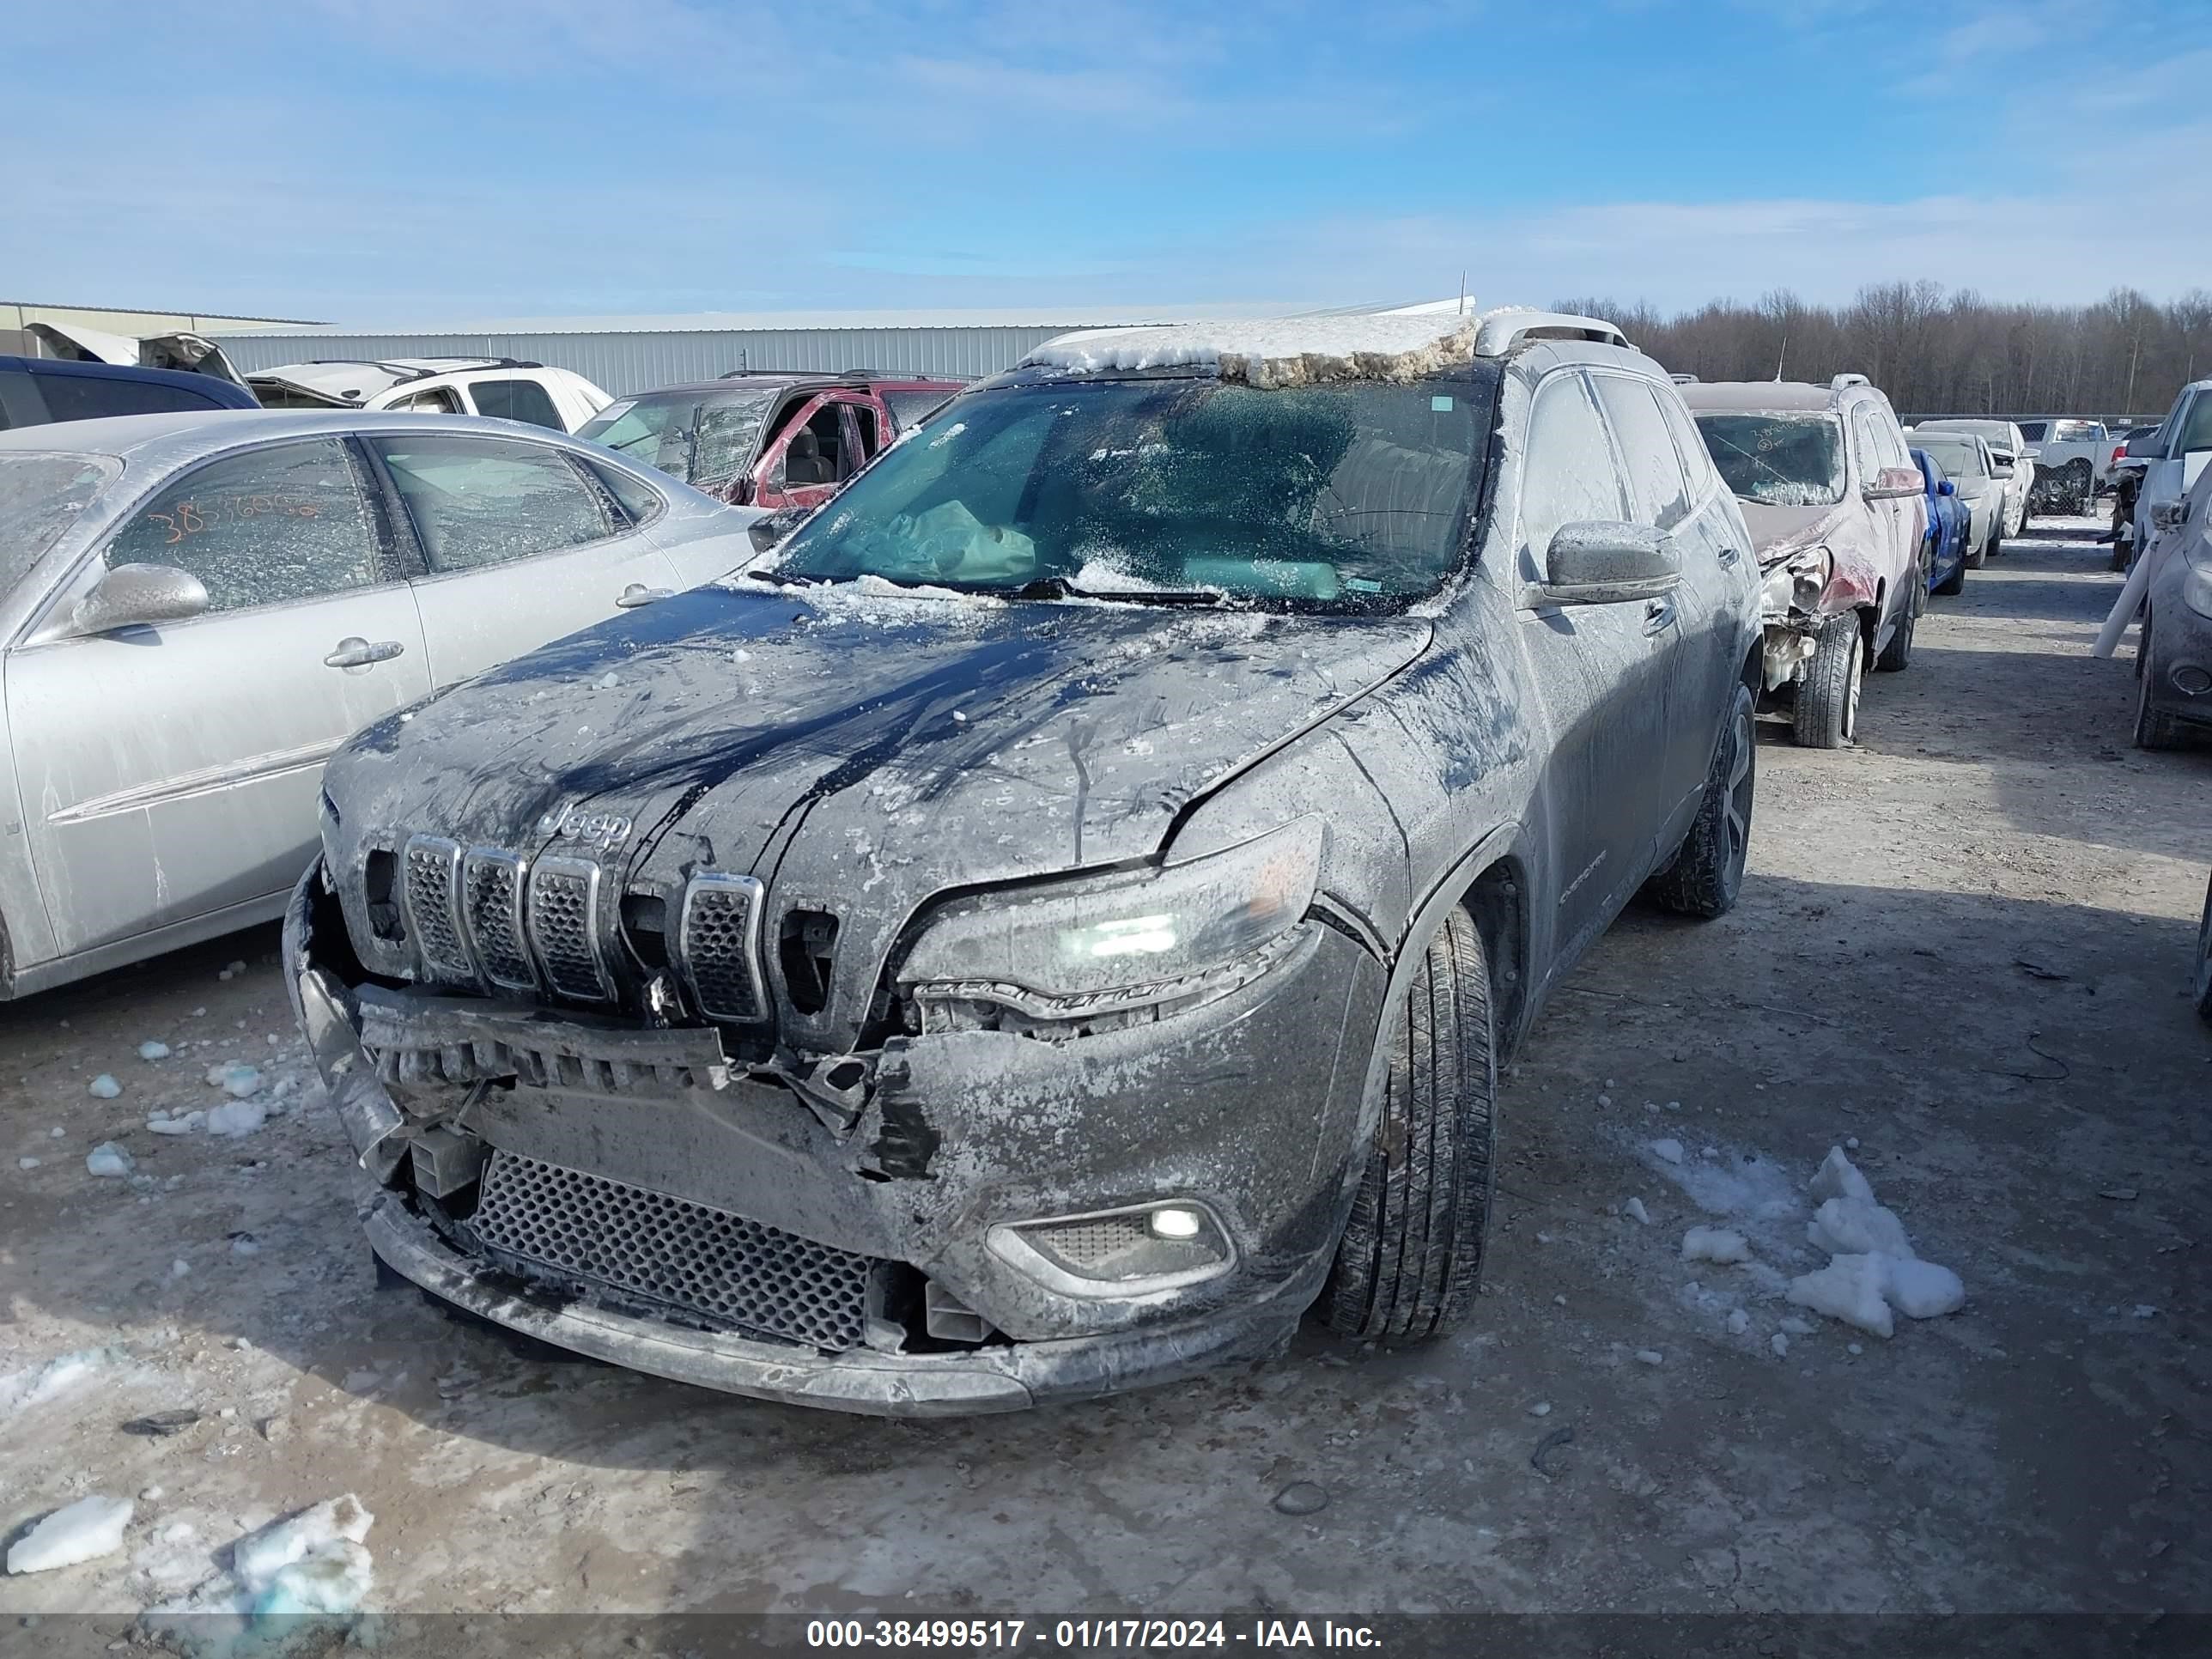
{"x": 1247, "y": 1110}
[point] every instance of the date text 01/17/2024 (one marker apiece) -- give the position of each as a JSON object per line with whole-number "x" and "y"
{"x": 1168, "y": 1634}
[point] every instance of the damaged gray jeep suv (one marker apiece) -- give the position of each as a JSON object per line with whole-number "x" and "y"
{"x": 1058, "y": 920}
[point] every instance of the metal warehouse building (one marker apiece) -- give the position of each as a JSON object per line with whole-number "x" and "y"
{"x": 633, "y": 354}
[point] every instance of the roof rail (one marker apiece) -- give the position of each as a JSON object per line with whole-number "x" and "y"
{"x": 1502, "y": 331}
{"x": 1843, "y": 380}
{"x": 1683, "y": 379}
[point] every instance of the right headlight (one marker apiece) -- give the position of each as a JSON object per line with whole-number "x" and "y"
{"x": 1083, "y": 950}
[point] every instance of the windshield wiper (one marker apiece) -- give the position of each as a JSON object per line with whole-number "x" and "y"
{"x": 1060, "y": 587}
{"x": 782, "y": 579}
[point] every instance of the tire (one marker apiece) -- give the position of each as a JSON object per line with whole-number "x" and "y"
{"x": 1707, "y": 873}
{"x": 1898, "y": 654}
{"x": 1974, "y": 555}
{"x": 1826, "y": 715}
{"x": 1996, "y": 543}
{"x": 2154, "y": 728}
{"x": 1410, "y": 1261}
{"x": 1954, "y": 584}
{"x": 2201, "y": 989}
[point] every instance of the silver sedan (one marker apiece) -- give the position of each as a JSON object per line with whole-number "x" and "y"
{"x": 196, "y": 610}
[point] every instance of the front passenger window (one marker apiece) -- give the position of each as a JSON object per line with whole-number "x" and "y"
{"x": 1662, "y": 495}
{"x": 267, "y": 528}
{"x": 478, "y": 501}
{"x": 1569, "y": 474}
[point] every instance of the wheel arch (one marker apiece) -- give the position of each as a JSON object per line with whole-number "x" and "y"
{"x": 1497, "y": 899}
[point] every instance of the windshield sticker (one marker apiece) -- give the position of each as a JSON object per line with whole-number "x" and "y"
{"x": 1440, "y": 404}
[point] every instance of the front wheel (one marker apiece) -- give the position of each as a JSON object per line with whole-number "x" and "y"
{"x": 1954, "y": 584}
{"x": 1707, "y": 874}
{"x": 2155, "y": 727}
{"x": 1897, "y": 654}
{"x": 1826, "y": 715}
{"x": 1410, "y": 1260}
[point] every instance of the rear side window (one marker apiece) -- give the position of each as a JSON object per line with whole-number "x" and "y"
{"x": 637, "y": 498}
{"x": 1689, "y": 447}
{"x": 2033, "y": 431}
{"x": 2196, "y": 425}
{"x": 909, "y": 407}
{"x": 1569, "y": 473}
{"x": 271, "y": 526}
{"x": 91, "y": 398}
{"x": 1655, "y": 475}
{"x": 479, "y": 501}
{"x": 516, "y": 400}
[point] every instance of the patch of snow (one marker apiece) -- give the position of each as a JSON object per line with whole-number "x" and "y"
{"x": 108, "y": 1159}
{"x": 1850, "y": 1288}
{"x": 1838, "y": 1178}
{"x": 83, "y": 1531}
{"x": 1739, "y": 1321}
{"x": 151, "y": 1050}
{"x": 179, "y": 1269}
{"x": 237, "y": 1118}
{"x": 162, "y": 1124}
{"x": 1857, "y": 1226}
{"x": 1650, "y": 1357}
{"x": 1540, "y": 1409}
{"x": 28, "y": 1163}
{"x": 234, "y": 1077}
{"x": 1277, "y": 352}
{"x": 104, "y": 1087}
{"x": 608, "y": 681}
{"x": 2143, "y": 1311}
{"x": 21, "y": 1390}
{"x": 1921, "y": 1290}
{"x": 1634, "y": 1209}
{"x": 1669, "y": 1150}
{"x": 1780, "y": 1344}
{"x": 1720, "y": 1244}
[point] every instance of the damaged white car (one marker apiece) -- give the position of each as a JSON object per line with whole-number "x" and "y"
{"x": 1838, "y": 512}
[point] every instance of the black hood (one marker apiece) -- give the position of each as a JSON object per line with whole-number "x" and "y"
{"x": 863, "y": 749}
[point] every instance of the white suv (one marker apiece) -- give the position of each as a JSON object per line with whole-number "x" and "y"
{"x": 502, "y": 387}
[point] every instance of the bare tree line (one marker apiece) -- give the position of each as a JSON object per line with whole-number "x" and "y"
{"x": 1939, "y": 352}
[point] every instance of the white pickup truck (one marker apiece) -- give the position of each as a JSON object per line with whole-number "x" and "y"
{"x": 2072, "y": 458}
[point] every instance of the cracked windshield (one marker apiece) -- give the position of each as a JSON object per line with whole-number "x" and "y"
{"x": 1777, "y": 460}
{"x": 1342, "y": 496}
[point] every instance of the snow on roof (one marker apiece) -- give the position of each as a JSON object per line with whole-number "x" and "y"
{"x": 1276, "y": 351}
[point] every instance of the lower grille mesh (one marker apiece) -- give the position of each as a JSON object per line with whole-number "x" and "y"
{"x": 718, "y": 1267}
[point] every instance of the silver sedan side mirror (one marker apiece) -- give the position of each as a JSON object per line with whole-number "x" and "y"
{"x": 132, "y": 595}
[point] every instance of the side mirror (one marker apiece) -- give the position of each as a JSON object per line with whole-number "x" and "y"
{"x": 2001, "y": 471}
{"x": 2031, "y": 453}
{"x": 1893, "y": 484}
{"x": 1946, "y": 488}
{"x": 2168, "y": 516}
{"x": 766, "y": 531}
{"x": 1599, "y": 561}
{"x": 132, "y": 595}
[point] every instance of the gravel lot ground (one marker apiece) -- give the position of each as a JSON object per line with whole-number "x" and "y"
{"x": 1962, "y": 944}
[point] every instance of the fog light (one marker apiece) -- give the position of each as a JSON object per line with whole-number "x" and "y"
{"x": 1174, "y": 1223}
{"x": 1132, "y": 1251}
{"x": 2192, "y": 681}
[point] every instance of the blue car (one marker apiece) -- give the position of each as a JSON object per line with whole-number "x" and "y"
{"x": 34, "y": 390}
{"x": 1947, "y": 527}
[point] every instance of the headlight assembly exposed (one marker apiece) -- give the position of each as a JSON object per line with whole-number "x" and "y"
{"x": 1095, "y": 947}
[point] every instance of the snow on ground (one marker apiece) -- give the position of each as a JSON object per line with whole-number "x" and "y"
{"x": 1275, "y": 352}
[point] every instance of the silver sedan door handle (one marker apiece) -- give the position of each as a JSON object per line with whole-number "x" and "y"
{"x": 354, "y": 652}
{"x": 1657, "y": 615}
{"x": 638, "y": 593}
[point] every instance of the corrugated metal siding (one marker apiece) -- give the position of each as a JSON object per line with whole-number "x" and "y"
{"x": 627, "y": 362}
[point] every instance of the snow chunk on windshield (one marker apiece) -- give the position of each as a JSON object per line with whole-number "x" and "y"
{"x": 1277, "y": 352}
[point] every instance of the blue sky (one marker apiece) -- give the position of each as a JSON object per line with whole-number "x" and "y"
{"x": 392, "y": 162}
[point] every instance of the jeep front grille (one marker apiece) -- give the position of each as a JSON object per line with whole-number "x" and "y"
{"x": 564, "y": 927}
{"x": 718, "y": 939}
{"x": 432, "y": 865}
{"x": 671, "y": 1254}
{"x": 491, "y": 909}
